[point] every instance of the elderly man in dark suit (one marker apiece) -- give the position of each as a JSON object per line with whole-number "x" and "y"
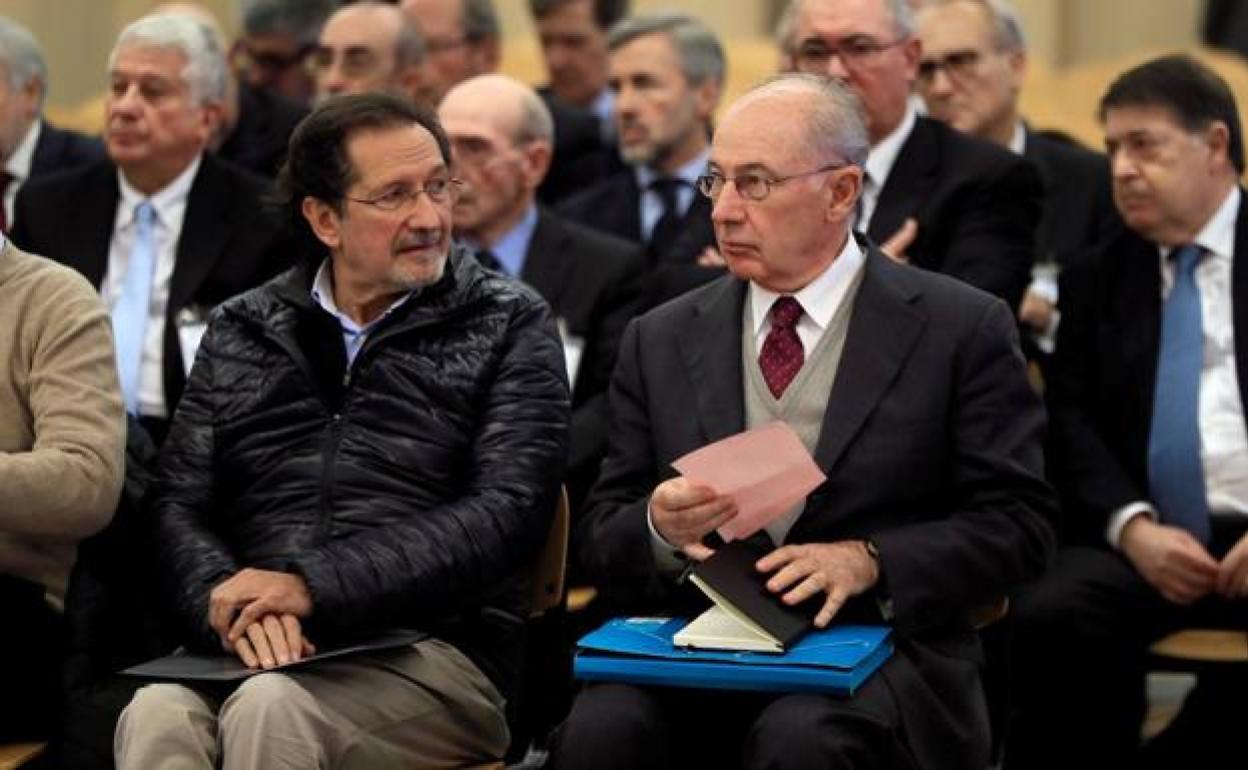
{"x": 165, "y": 230}
{"x": 939, "y": 199}
{"x": 972, "y": 69}
{"x": 501, "y": 135}
{"x": 30, "y": 146}
{"x": 1147, "y": 397}
{"x": 886, "y": 373}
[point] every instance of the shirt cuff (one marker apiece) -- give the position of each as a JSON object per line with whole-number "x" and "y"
{"x": 1119, "y": 518}
{"x": 667, "y": 557}
{"x": 1044, "y": 285}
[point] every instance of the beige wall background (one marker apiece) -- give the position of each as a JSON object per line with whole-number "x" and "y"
{"x": 1077, "y": 46}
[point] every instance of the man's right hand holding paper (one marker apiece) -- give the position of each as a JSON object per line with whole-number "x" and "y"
{"x": 683, "y": 513}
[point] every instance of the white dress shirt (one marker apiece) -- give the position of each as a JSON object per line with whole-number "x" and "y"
{"x": 170, "y": 208}
{"x": 820, "y": 299}
{"x": 880, "y": 161}
{"x": 18, "y": 166}
{"x": 1223, "y": 436}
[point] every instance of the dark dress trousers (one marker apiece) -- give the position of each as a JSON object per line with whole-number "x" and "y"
{"x": 1091, "y": 618}
{"x": 230, "y": 241}
{"x": 931, "y": 388}
{"x": 977, "y": 207}
{"x": 593, "y": 282}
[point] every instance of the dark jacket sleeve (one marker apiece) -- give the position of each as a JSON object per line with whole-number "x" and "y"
{"x": 991, "y": 244}
{"x": 999, "y": 530}
{"x": 448, "y": 556}
{"x": 191, "y": 558}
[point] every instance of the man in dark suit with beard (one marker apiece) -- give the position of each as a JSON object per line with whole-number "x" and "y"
{"x": 885, "y": 372}
{"x": 1147, "y": 398}
{"x": 165, "y": 230}
{"x": 501, "y": 135}
{"x": 941, "y": 200}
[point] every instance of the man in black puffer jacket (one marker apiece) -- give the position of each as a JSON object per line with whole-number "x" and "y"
{"x": 371, "y": 441}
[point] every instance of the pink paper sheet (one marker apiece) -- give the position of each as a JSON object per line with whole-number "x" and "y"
{"x": 766, "y": 470}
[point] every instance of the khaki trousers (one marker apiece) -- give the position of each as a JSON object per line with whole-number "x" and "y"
{"x": 426, "y": 706}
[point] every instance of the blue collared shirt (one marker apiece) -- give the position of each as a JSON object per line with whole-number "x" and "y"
{"x": 353, "y": 334}
{"x": 513, "y": 247}
{"x": 652, "y": 202}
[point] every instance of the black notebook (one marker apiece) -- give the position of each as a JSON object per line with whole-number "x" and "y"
{"x": 746, "y": 616}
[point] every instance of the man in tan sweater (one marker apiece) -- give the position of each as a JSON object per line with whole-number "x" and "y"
{"x": 62, "y": 440}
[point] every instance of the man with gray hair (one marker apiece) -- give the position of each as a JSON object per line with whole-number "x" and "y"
{"x": 933, "y": 196}
{"x": 931, "y": 389}
{"x": 973, "y": 64}
{"x": 666, "y": 70}
{"x": 164, "y": 230}
{"x": 366, "y": 47}
{"x": 29, "y": 145}
{"x": 277, "y": 36}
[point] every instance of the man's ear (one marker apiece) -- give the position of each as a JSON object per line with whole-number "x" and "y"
{"x": 325, "y": 221}
{"x": 846, "y": 188}
{"x": 212, "y": 115}
{"x": 706, "y": 97}
{"x": 488, "y": 54}
{"x": 1218, "y": 136}
{"x": 537, "y": 157}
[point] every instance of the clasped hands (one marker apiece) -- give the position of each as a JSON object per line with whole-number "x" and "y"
{"x": 1178, "y": 565}
{"x": 256, "y": 613}
{"x": 683, "y": 513}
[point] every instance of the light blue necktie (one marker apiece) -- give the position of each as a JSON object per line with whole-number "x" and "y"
{"x": 1176, "y": 476}
{"x": 131, "y": 309}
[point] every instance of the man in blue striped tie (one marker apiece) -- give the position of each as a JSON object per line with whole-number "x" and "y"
{"x": 1150, "y": 444}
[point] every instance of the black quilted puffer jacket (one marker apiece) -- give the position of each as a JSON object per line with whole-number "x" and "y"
{"x": 412, "y": 490}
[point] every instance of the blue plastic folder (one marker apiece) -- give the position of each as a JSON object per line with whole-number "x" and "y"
{"x": 834, "y": 660}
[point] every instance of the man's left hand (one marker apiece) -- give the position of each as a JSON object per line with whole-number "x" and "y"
{"x": 842, "y": 569}
{"x": 252, "y": 594}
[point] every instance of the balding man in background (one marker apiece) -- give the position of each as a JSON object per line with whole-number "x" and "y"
{"x": 973, "y": 66}
{"x": 940, "y": 199}
{"x": 29, "y": 145}
{"x": 500, "y": 133}
{"x": 462, "y": 40}
{"x": 369, "y": 47}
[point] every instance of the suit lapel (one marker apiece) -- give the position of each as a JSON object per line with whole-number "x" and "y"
{"x": 711, "y": 352}
{"x": 883, "y": 330}
{"x": 204, "y": 232}
{"x": 546, "y": 266}
{"x": 89, "y": 233}
{"x": 47, "y": 150}
{"x": 909, "y": 182}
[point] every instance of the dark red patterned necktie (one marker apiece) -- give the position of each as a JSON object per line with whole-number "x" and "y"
{"x": 781, "y": 358}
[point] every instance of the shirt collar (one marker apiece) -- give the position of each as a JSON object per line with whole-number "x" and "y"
{"x": 603, "y": 104}
{"x": 323, "y": 295}
{"x": 1018, "y": 142}
{"x": 1217, "y": 237}
{"x": 165, "y": 200}
{"x": 821, "y": 297}
{"x": 688, "y": 173}
{"x": 511, "y": 249}
{"x": 884, "y": 152}
{"x": 19, "y": 163}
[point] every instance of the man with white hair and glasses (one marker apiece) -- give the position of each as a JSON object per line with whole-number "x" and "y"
{"x": 165, "y": 230}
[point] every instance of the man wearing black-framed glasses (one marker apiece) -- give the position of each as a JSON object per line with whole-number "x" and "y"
{"x": 462, "y": 37}
{"x": 884, "y": 372}
{"x": 931, "y": 196}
